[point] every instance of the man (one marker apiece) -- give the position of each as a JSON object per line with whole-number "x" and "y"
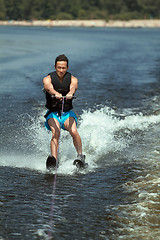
{"x": 57, "y": 84}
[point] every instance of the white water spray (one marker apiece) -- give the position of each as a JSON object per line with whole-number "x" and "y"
{"x": 100, "y": 132}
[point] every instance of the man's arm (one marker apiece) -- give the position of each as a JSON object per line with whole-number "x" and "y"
{"x": 48, "y": 86}
{"x": 73, "y": 87}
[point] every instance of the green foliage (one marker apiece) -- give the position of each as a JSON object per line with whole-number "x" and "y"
{"x": 64, "y": 16}
{"x": 2, "y": 9}
{"x": 79, "y": 9}
{"x": 127, "y": 16}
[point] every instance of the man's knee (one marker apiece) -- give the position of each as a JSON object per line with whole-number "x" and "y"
{"x": 73, "y": 132}
{"x": 55, "y": 133}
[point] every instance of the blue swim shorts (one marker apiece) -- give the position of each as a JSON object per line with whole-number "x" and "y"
{"x": 60, "y": 119}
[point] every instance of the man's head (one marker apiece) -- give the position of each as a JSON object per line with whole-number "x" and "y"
{"x": 60, "y": 58}
{"x": 61, "y": 65}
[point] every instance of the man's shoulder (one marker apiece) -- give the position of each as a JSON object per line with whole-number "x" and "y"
{"x": 47, "y": 78}
{"x": 73, "y": 78}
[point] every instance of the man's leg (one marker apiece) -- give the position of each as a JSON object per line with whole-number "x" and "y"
{"x": 55, "y": 128}
{"x": 70, "y": 126}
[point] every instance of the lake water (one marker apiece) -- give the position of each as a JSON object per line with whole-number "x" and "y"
{"x": 117, "y": 106}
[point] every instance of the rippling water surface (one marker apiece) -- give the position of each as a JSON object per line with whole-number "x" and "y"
{"x": 117, "y": 105}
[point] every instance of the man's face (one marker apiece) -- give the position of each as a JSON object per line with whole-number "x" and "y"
{"x": 61, "y": 68}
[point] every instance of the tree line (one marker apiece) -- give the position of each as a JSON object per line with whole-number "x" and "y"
{"x": 78, "y": 9}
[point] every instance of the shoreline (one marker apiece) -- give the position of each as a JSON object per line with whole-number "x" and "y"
{"x": 145, "y": 23}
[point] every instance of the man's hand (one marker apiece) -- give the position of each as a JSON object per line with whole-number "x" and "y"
{"x": 69, "y": 96}
{"x": 58, "y": 96}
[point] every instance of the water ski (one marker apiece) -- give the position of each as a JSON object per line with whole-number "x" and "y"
{"x": 80, "y": 164}
{"x": 51, "y": 163}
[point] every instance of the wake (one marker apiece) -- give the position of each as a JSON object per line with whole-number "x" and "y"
{"x": 102, "y": 132}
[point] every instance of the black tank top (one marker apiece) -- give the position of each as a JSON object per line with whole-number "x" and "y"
{"x": 53, "y": 104}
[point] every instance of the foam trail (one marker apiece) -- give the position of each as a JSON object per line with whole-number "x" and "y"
{"x": 33, "y": 162}
{"x": 101, "y": 133}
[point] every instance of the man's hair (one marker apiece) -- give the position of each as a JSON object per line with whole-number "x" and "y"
{"x": 61, "y": 57}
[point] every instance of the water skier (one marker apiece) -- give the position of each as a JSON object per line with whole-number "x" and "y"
{"x": 57, "y": 84}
